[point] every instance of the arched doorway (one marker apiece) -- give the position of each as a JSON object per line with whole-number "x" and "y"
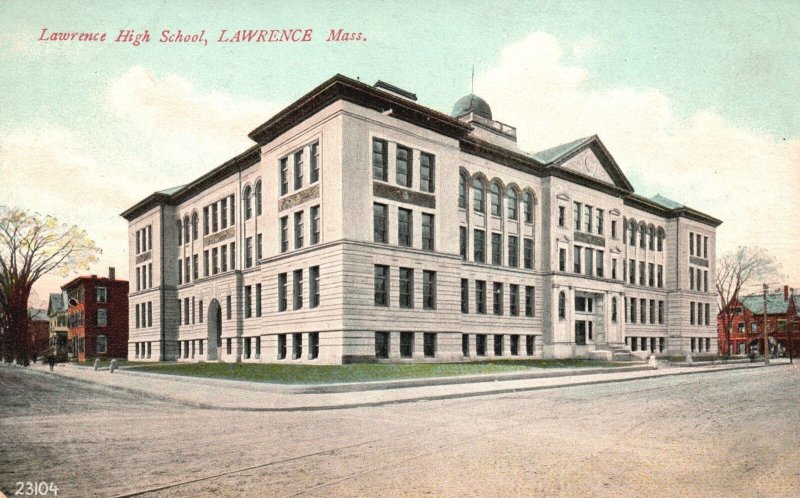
{"x": 214, "y": 330}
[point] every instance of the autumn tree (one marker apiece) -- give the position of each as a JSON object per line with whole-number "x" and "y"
{"x": 32, "y": 246}
{"x": 736, "y": 270}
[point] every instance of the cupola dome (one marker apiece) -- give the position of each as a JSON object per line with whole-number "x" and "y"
{"x": 472, "y": 103}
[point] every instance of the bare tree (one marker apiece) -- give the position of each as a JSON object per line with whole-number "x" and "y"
{"x": 735, "y": 271}
{"x": 32, "y": 246}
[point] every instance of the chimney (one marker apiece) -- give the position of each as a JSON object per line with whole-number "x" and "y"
{"x": 112, "y": 273}
{"x": 785, "y": 292}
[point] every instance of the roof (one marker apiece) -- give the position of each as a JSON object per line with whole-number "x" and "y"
{"x": 38, "y": 315}
{"x": 776, "y": 305}
{"x": 56, "y": 303}
{"x": 666, "y": 202}
{"x": 171, "y": 191}
{"x": 83, "y": 278}
{"x": 471, "y": 103}
{"x": 553, "y": 154}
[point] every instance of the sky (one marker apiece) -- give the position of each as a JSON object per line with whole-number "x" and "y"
{"x": 697, "y": 101}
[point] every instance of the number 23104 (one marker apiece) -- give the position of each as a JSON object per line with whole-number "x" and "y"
{"x": 36, "y": 489}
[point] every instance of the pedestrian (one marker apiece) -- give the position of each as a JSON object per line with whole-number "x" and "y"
{"x": 96, "y": 364}
{"x": 51, "y": 360}
{"x": 113, "y": 365}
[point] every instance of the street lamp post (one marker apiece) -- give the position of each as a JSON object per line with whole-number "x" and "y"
{"x": 766, "y": 340}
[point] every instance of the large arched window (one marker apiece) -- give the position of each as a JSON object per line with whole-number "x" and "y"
{"x": 180, "y": 232}
{"x": 462, "y": 191}
{"x": 248, "y": 203}
{"x": 494, "y": 196}
{"x": 194, "y": 225}
{"x": 651, "y": 238}
{"x": 511, "y": 203}
{"x": 478, "y": 195}
{"x": 660, "y": 239}
{"x": 642, "y": 236}
{"x": 632, "y": 232}
{"x": 562, "y": 305}
{"x": 527, "y": 206}
{"x": 258, "y": 197}
{"x": 186, "y": 228}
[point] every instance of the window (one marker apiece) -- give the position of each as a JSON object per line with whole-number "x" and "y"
{"x": 652, "y": 311}
{"x": 660, "y": 240}
{"x": 498, "y": 345}
{"x": 313, "y": 287}
{"x": 497, "y": 248}
{"x": 600, "y": 257}
{"x": 511, "y": 204}
{"x": 497, "y": 298}
{"x": 632, "y": 271}
{"x": 101, "y": 294}
{"x": 651, "y": 271}
{"x": 614, "y": 309}
{"x": 228, "y": 309}
{"x": 588, "y": 220}
{"x": 513, "y": 251}
{"x": 102, "y": 317}
{"x": 428, "y": 290}
{"x": 480, "y": 296}
{"x": 314, "y": 225}
{"x": 313, "y": 345}
{"x": 259, "y": 247}
{"x": 426, "y": 172}
{"x": 514, "y": 345}
{"x": 199, "y": 307}
{"x": 632, "y": 233}
{"x": 633, "y": 310}
{"x": 576, "y": 254}
{"x": 642, "y": 275}
{"x": 382, "y": 345}
{"x": 614, "y": 268}
{"x": 298, "y": 230}
{"x": 297, "y": 280}
{"x": 186, "y": 229}
{"x": 281, "y": 346}
{"x": 527, "y": 207}
{"x": 562, "y": 259}
{"x": 223, "y": 210}
{"x": 464, "y": 295}
{"x": 258, "y": 300}
{"x": 137, "y": 316}
{"x": 660, "y": 276}
{"x": 494, "y": 198}
{"x": 576, "y": 215}
{"x": 297, "y": 346}
{"x": 480, "y": 344}
{"x": 223, "y": 259}
{"x": 233, "y": 255}
{"x": 179, "y": 230}
{"x": 705, "y": 280}
{"x": 214, "y": 217}
{"x": 248, "y": 252}
{"x": 589, "y": 261}
{"x": 527, "y": 253}
{"x": 562, "y": 216}
{"x": 284, "y": 176}
{"x": 661, "y": 312}
{"x": 248, "y": 301}
{"x": 257, "y": 196}
{"x": 513, "y": 299}
{"x": 708, "y": 312}
{"x": 298, "y": 170}
{"x": 465, "y": 344}
{"x": 403, "y": 166}
{"x": 404, "y": 227}
{"x": 406, "y": 344}
{"x": 530, "y": 300}
{"x": 429, "y": 344}
{"x": 479, "y": 247}
{"x": 462, "y": 191}
{"x": 248, "y": 204}
{"x": 205, "y": 221}
{"x": 599, "y": 227}
{"x": 462, "y": 243}
{"x": 643, "y": 310}
{"x": 406, "y": 288}
{"x": 691, "y": 278}
{"x": 186, "y": 310}
{"x": 314, "y": 163}
{"x": 613, "y": 229}
{"x": 381, "y": 285}
{"x": 705, "y": 249}
{"x": 478, "y": 196}
{"x": 651, "y": 238}
{"x": 195, "y": 269}
{"x": 282, "y": 292}
{"x": 427, "y": 231}
{"x": 379, "y": 222}
{"x": 102, "y": 344}
{"x": 379, "y": 160}
{"x": 205, "y": 263}
{"x": 642, "y": 236}
{"x": 284, "y": 233}
{"x": 691, "y": 244}
{"x": 691, "y": 313}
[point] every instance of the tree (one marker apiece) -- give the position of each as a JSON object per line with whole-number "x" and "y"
{"x": 32, "y": 246}
{"x": 735, "y": 270}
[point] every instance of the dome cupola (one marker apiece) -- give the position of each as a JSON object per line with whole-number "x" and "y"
{"x": 471, "y": 103}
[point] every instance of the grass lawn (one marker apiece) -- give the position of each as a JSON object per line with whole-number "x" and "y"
{"x": 320, "y": 374}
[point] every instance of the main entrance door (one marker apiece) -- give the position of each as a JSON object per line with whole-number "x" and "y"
{"x": 214, "y": 330}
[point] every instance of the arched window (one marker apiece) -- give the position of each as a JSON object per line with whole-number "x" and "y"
{"x": 642, "y": 236}
{"x": 632, "y": 232}
{"x": 180, "y": 232}
{"x": 494, "y": 196}
{"x": 258, "y": 198}
{"x": 478, "y": 196}
{"x": 527, "y": 206}
{"x": 511, "y": 201}
{"x": 562, "y": 305}
{"x": 660, "y": 240}
{"x": 248, "y": 203}
{"x": 186, "y": 228}
{"x": 194, "y": 225}
{"x": 462, "y": 191}
{"x": 614, "y": 309}
{"x": 651, "y": 238}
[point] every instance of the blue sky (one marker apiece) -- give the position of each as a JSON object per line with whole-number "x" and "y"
{"x": 697, "y": 101}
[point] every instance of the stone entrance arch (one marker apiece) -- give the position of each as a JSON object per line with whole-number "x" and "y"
{"x": 214, "y": 330}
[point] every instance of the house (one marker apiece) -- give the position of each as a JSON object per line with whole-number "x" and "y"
{"x": 747, "y": 325}
{"x": 38, "y": 332}
{"x": 363, "y": 226}
{"x": 57, "y": 315}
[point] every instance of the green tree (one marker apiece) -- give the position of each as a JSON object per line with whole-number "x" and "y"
{"x": 31, "y": 246}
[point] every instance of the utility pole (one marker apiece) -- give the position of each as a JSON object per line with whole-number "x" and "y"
{"x": 766, "y": 339}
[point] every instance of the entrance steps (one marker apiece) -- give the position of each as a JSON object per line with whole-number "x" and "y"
{"x": 614, "y": 352}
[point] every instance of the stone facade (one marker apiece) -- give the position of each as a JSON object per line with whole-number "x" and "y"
{"x": 352, "y": 232}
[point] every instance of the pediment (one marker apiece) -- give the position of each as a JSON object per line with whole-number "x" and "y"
{"x": 587, "y": 163}
{"x": 590, "y": 158}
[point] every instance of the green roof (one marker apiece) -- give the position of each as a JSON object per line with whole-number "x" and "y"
{"x": 171, "y": 191}
{"x": 551, "y": 155}
{"x": 666, "y": 202}
{"x": 775, "y": 304}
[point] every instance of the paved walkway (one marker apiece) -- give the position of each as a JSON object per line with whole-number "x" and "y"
{"x": 256, "y": 396}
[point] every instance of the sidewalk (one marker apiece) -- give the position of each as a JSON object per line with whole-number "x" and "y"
{"x": 255, "y": 396}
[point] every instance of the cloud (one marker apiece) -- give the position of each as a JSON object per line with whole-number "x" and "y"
{"x": 746, "y": 178}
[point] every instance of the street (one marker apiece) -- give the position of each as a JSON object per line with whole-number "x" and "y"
{"x": 731, "y": 433}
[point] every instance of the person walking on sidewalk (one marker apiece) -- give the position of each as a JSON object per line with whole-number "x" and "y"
{"x": 51, "y": 360}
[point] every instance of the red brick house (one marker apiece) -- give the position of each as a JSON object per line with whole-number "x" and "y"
{"x": 38, "y": 332}
{"x": 97, "y": 317}
{"x": 747, "y": 327}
